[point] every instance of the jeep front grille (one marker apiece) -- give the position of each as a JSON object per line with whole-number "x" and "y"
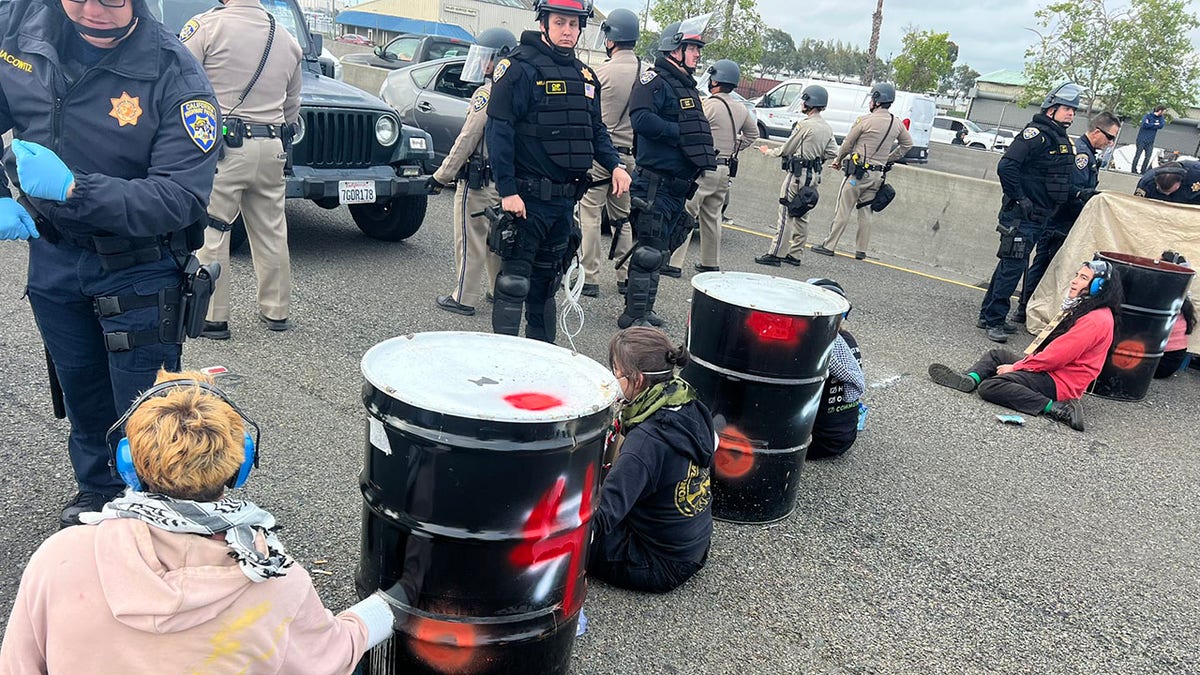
{"x": 337, "y": 139}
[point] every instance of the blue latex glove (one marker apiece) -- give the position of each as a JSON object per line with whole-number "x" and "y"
{"x": 41, "y": 172}
{"x": 15, "y": 221}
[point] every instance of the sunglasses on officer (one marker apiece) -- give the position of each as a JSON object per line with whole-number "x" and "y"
{"x": 112, "y": 4}
{"x": 1110, "y": 137}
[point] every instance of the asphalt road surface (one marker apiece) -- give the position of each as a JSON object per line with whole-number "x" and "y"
{"x": 944, "y": 542}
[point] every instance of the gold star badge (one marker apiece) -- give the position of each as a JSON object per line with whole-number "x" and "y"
{"x": 126, "y": 110}
{"x": 1196, "y": 186}
{"x": 587, "y": 74}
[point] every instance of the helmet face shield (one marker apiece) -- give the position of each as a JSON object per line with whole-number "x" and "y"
{"x": 478, "y": 60}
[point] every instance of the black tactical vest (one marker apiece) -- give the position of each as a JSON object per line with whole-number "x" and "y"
{"x": 1053, "y": 166}
{"x": 560, "y": 118}
{"x": 683, "y": 108}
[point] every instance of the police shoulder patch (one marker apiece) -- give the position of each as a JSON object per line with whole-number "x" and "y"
{"x": 501, "y": 69}
{"x": 648, "y": 76}
{"x": 200, "y": 121}
{"x": 1081, "y": 160}
{"x": 480, "y": 101}
{"x": 1140, "y": 192}
{"x": 189, "y": 29}
{"x": 1030, "y": 132}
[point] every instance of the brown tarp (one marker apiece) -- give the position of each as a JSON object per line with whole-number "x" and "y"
{"x": 1126, "y": 224}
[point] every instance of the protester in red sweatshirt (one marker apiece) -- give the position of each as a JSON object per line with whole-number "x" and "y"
{"x": 1061, "y": 361}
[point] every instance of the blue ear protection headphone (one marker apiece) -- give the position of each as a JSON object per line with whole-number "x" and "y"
{"x": 122, "y": 459}
{"x": 1101, "y": 270}
{"x": 831, "y": 285}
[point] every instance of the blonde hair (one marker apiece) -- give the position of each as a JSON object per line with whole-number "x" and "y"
{"x": 186, "y": 443}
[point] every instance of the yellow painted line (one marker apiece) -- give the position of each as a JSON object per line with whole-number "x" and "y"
{"x": 868, "y": 260}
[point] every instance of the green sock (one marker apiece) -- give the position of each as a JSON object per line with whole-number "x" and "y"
{"x": 1048, "y": 406}
{"x": 976, "y": 377}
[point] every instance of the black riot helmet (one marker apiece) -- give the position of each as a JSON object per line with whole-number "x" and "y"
{"x": 673, "y": 38}
{"x": 622, "y": 26}
{"x": 579, "y": 8}
{"x": 883, "y": 93}
{"x": 814, "y": 96}
{"x": 725, "y": 72}
{"x": 491, "y": 45}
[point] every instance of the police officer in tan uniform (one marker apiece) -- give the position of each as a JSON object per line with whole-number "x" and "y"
{"x": 809, "y": 146}
{"x": 616, "y": 76}
{"x": 864, "y": 155}
{"x": 733, "y": 129}
{"x": 467, "y": 163}
{"x": 254, "y": 67}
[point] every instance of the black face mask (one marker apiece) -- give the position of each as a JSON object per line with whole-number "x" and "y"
{"x": 106, "y": 33}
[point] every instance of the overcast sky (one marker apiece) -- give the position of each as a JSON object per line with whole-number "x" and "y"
{"x": 990, "y": 35}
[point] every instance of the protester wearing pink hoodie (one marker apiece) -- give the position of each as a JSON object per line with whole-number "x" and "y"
{"x": 179, "y": 578}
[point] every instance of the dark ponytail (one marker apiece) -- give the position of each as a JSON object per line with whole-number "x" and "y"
{"x": 648, "y": 352}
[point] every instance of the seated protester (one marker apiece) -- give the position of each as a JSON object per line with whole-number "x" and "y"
{"x": 1175, "y": 358}
{"x": 836, "y": 427}
{"x": 180, "y": 578}
{"x": 1061, "y": 361}
{"x": 653, "y": 524}
{"x": 1176, "y": 182}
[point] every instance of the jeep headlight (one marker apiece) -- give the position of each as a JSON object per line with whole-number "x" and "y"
{"x": 299, "y": 130}
{"x": 386, "y": 130}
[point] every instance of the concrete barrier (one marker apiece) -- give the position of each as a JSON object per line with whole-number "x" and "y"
{"x": 367, "y": 78}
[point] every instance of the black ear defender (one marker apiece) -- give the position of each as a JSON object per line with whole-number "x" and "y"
{"x": 122, "y": 459}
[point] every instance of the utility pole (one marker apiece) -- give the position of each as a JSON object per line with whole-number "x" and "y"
{"x": 876, "y": 24}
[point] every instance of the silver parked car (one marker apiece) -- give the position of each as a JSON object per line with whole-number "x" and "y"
{"x": 431, "y": 96}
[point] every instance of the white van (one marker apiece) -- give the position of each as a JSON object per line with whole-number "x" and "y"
{"x": 773, "y": 109}
{"x": 848, "y": 102}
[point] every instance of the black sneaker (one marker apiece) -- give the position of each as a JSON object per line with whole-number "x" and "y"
{"x": 792, "y": 260}
{"x": 948, "y": 377}
{"x": 84, "y": 502}
{"x": 1010, "y": 328}
{"x": 706, "y": 268}
{"x": 654, "y": 319}
{"x": 997, "y": 334}
{"x": 860, "y": 255}
{"x": 669, "y": 271}
{"x": 769, "y": 260}
{"x": 216, "y": 330}
{"x": 1019, "y": 315}
{"x": 451, "y": 305}
{"x": 591, "y": 290}
{"x": 819, "y": 249}
{"x": 622, "y": 286}
{"x": 1069, "y": 413}
{"x": 274, "y": 324}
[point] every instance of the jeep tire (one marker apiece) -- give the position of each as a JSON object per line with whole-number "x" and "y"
{"x": 392, "y": 220}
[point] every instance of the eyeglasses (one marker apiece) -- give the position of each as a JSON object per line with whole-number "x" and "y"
{"x": 1110, "y": 137}
{"x": 114, "y": 4}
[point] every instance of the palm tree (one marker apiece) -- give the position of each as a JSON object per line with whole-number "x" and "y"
{"x": 876, "y": 24}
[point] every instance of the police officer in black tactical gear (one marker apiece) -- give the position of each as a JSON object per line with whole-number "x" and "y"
{"x": 544, "y": 129}
{"x": 1035, "y": 175}
{"x": 674, "y": 147}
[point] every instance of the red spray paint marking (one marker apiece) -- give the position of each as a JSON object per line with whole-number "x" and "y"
{"x": 541, "y": 546}
{"x": 735, "y": 454}
{"x": 447, "y": 646}
{"x": 532, "y": 400}
{"x": 1128, "y": 354}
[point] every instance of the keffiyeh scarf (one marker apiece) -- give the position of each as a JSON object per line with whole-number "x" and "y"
{"x": 240, "y": 520}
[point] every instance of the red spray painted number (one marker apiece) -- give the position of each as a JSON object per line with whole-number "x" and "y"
{"x": 532, "y": 400}
{"x": 541, "y": 545}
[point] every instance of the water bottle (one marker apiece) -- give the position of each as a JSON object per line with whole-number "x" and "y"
{"x": 862, "y": 415}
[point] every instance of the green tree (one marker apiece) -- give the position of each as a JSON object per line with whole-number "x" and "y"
{"x": 958, "y": 82}
{"x": 1129, "y": 58}
{"x": 779, "y": 52}
{"x": 927, "y": 57}
{"x": 741, "y": 28}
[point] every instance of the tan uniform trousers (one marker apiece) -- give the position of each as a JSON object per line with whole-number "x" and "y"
{"x": 472, "y": 259}
{"x": 852, "y": 192}
{"x": 705, "y": 206}
{"x": 790, "y": 233}
{"x": 250, "y": 180}
{"x": 591, "y": 207}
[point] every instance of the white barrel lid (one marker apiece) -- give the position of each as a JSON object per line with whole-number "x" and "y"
{"x": 489, "y": 377}
{"x": 764, "y": 293}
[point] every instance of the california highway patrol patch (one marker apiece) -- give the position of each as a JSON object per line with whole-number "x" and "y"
{"x": 1081, "y": 161}
{"x": 1029, "y": 133}
{"x": 501, "y": 68}
{"x": 647, "y": 76}
{"x": 200, "y": 120}
{"x": 480, "y": 101}
{"x": 189, "y": 29}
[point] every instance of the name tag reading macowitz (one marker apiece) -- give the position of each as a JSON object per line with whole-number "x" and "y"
{"x": 481, "y": 463}
{"x": 760, "y": 348}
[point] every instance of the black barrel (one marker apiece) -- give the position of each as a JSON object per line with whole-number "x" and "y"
{"x": 480, "y": 478}
{"x": 1154, "y": 292}
{"x": 760, "y": 350}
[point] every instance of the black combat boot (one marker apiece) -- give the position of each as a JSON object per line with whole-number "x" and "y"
{"x": 1069, "y": 413}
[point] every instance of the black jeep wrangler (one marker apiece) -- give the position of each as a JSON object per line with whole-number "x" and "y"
{"x": 351, "y": 147}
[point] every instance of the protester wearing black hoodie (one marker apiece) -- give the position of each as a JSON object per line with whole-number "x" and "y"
{"x": 653, "y": 524}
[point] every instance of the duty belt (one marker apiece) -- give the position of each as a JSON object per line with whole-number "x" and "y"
{"x": 546, "y": 189}
{"x": 722, "y": 161}
{"x": 115, "y": 252}
{"x": 623, "y": 150}
{"x": 264, "y": 130}
{"x": 678, "y": 187}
